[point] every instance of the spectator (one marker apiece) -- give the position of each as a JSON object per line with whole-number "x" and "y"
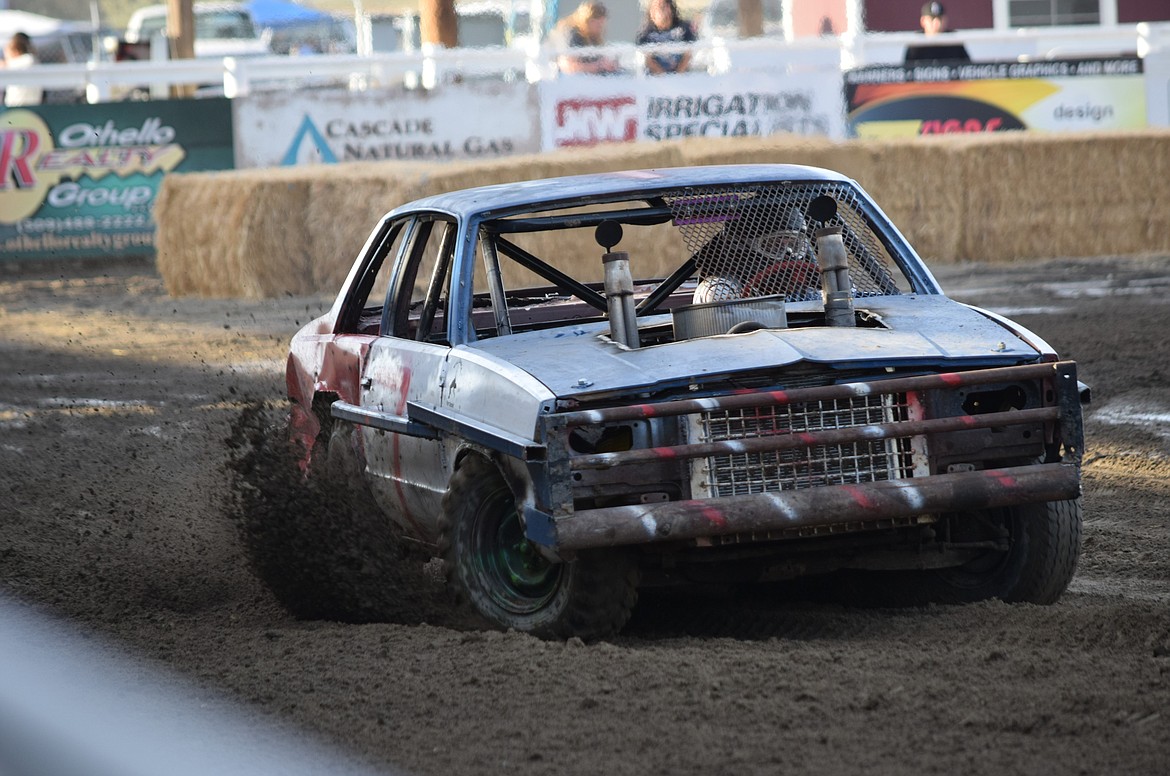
{"x": 19, "y": 55}
{"x": 934, "y": 24}
{"x": 584, "y": 27}
{"x": 664, "y": 25}
{"x": 933, "y": 19}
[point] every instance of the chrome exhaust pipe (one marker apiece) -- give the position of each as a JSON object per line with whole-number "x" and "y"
{"x": 619, "y": 294}
{"x": 837, "y": 288}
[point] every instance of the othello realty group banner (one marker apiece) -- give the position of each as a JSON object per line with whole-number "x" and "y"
{"x": 80, "y": 180}
{"x": 1048, "y": 95}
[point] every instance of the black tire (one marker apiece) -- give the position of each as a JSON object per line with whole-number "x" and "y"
{"x": 1045, "y": 541}
{"x": 1053, "y": 545}
{"x": 1044, "y": 544}
{"x": 505, "y": 579}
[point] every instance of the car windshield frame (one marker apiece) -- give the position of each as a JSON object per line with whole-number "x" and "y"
{"x": 519, "y": 218}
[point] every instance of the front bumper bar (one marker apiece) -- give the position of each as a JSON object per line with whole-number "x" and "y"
{"x": 828, "y": 505}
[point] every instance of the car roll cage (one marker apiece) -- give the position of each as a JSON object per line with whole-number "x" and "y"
{"x": 722, "y": 205}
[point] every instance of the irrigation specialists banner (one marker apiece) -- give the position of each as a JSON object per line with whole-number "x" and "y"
{"x": 584, "y": 110}
{"x": 473, "y": 121}
{"x": 79, "y": 181}
{"x": 1049, "y": 95}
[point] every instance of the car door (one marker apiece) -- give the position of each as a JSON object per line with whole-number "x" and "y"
{"x": 407, "y": 363}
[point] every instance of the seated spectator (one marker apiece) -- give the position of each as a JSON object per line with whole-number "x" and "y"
{"x": 583, "y": 28}
{"x": 19, "y": 55}
{"x": 664, "y": 25}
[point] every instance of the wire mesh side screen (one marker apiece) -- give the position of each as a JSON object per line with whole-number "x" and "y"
{"x": 759, "y": 241}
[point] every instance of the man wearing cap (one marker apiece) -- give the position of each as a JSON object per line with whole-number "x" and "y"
{"x": 934, "y": 23}
{"x": 934, "y": 19}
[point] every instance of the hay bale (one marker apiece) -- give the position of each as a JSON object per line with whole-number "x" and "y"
{"x": 1039, "y": 196}
{"x": 777, "y": 149}
{"x": 345, "y": 203}
{"x": 273, "y": 251}
{"x": 913, "y": 181}
{"x": 998, "y": 197}
{"x": 218, "y": 235}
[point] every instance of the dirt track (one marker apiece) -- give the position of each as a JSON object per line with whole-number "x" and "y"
{"x": 115, "y": 406}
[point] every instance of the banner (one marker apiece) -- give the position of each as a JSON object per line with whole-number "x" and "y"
{"x": 80, "y": 181}
{"x": 1048, "y": 95}
{"x": 458, "y": 121}
{"x": 1156, "y": 65}
{"x": 584, "y": 110}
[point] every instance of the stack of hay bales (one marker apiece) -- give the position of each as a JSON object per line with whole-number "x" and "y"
{"x": 997, "y": 197}
{"x": 1031, "y": 196}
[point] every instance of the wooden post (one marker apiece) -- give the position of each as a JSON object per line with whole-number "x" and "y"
{"x": 181, "y": 38}
{"x": 181, "y": 28}
{"x": 438, "y": 23}
{"x": 751, "y": 18}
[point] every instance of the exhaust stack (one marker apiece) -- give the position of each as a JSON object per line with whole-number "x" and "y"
{"x": 619, "y": 286}
{"x": 619, "y": 293}
{"x": 835, "y": 282}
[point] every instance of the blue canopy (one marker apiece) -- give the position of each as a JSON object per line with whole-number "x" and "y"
{"x": 281, "y": 13}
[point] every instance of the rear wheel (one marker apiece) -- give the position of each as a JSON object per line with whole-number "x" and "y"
{"x": 506, "y": 579}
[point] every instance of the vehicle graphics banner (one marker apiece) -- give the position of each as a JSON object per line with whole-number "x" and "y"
{"x": 584, "y": 110}
{"x": 457, "y": 121}
{"x": 80, "y": 181}
{"x": 1049, "y": 95}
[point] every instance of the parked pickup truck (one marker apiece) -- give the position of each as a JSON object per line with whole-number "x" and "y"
{"x": 221, "y": 30}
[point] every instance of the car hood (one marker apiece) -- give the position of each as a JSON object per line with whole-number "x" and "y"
{"x": 916, "y": 330}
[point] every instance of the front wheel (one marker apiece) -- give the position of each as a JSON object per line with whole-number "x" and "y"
{"x": 1045, "y": 542}
{"x": 1053, "y": 532}
{"x": 506, "y": 579}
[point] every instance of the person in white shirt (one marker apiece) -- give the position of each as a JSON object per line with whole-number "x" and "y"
{"x": 18, "y": 55}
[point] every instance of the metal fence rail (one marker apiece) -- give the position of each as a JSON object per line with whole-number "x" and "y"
{"x": 432, "y": 66}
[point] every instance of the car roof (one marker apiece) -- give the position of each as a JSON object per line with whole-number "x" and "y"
{"x": 498, "y": 198}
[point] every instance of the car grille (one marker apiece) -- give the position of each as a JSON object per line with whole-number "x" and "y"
{"x": 805, "y": 467}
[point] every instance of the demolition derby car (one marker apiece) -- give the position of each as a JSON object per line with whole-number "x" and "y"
{"x": 568, "y": 388}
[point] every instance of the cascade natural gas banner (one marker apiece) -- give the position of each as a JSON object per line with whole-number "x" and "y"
{"x": 1048, "y": 95}
{"x": 457, "y": 121}
{"x": 80, "y": 181}
{"x": 583, "y": 110}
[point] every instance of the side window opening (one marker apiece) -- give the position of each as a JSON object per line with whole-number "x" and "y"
{"x": 363, "y": 312}
{"x": 418, "y": 308}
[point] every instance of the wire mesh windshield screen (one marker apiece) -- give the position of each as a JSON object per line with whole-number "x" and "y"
{"x": 759, "y": 240}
